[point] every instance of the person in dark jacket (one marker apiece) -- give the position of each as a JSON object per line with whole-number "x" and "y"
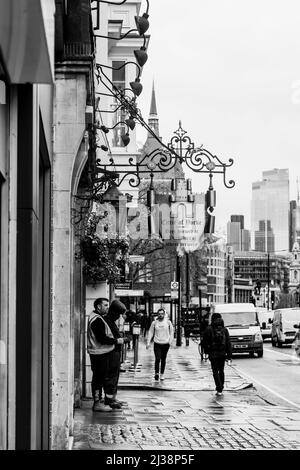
{"x": 204, "y": 323}
{"x": 111, "y": 380}
{"x": 94, "y": 325}
{"x": 216, "y": 343}
{"x": 132, "y": 319}
{"x": 104, "y": 347}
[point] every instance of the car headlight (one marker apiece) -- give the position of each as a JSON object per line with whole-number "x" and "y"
{"x": 258, "y": 337}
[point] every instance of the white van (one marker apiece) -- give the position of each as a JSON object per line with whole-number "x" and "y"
{"x": 265, "y": 318}
{"x": 242, "y": 322}
{"x": 283, "y": 326}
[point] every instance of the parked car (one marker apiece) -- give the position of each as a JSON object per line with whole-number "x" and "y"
{"x": 241, "y": 320}
{"x": 265, "y": 317}
{"x": 283, "y": 326}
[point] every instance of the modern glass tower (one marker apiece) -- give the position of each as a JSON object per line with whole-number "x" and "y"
{"x": 237, "y": 236}
{"x": 270, "y": 203}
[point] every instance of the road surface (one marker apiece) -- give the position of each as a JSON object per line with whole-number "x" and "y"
{"x": 276, "y": 375}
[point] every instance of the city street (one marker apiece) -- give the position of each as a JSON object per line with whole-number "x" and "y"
{"x": 183, "y": 412}
{"x": 276, "y": 375}
{"x": 136, "y": 200}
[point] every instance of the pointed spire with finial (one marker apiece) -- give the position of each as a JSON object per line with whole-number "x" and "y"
{"x": 153, "y": 117}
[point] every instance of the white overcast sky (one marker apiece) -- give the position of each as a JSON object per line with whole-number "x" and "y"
{"x": 230, "y": 70}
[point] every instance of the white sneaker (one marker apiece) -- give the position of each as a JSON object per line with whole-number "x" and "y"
{"x": 162, "y": 377}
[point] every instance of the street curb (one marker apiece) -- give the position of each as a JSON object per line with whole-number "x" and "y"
{"x": 179, "y": 389}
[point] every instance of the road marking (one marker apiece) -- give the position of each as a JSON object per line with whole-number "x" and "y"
{"x": 293, "y": 358}
{"x": 267, "y": 388}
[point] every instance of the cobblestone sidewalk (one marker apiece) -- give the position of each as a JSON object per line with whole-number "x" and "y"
{"x": 199, "y": 421}
{"x": 183, "y": 412}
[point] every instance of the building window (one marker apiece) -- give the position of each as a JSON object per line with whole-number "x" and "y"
{"x": 118, "y": 79}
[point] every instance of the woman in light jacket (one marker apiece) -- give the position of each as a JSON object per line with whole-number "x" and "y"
{"x": 161, "y": 332}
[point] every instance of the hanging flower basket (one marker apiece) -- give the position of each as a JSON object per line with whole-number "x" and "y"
{"x": 104, "y": 258}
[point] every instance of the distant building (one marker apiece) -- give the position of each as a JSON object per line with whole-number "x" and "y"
{"x": 237, "y": 236}
{"x": 270, "y": 202}
{"x": 294, "y": 284}
{"x": 239, "y": 219}
{"x": 245, "y": 240}
{"x": 151, "y": 145}
{"x": 255, "y": 268}
{"x": 216, "y": 272}
{"x": 264, "y": 237}
{"x": 294, "y": 224}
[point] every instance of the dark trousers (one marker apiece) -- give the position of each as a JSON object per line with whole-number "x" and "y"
{"x": 106, "y": 371}
{"x": 217, "y": 365}
{"x": 112, "y": 373}
{"x": 98, "y": 366}
{"x": 160, "y": 351}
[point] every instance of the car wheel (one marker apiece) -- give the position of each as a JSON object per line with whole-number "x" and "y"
{"x": 260, "y": 353}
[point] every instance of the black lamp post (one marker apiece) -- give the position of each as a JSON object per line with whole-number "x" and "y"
{"x": 268, "y": 281}
{"x": 178, "y": 278}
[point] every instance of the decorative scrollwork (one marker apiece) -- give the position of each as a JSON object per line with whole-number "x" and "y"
{"x": 180, "y": 149}
{"x": 181, "y": 144}
{"x": 164, "y": 160}
{"x": 230, "y": 184}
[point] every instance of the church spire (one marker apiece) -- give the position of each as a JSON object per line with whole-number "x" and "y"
{"x": 153, "y": 117}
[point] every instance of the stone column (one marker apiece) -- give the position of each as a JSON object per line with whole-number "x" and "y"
{"x": 69, "y": 119}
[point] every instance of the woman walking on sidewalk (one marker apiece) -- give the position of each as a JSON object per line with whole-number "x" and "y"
{"x": 216, "y": 343}
{"x": 161, "y": 332}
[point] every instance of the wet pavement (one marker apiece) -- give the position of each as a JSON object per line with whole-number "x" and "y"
{"x": 183, "y": 412}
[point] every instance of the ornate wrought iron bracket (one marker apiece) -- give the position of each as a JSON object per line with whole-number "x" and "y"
{"x": 181, "y": 150}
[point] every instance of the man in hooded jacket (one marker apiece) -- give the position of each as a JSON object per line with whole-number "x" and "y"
{"x": 216, "y": 343}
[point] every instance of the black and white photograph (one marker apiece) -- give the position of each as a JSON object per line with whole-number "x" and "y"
{"x": 150, "y": 229}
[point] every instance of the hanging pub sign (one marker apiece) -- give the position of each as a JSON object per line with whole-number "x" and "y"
{"x": 188, "y": 220}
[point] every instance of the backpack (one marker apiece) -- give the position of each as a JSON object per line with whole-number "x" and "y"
{"x": 218, "y": 339}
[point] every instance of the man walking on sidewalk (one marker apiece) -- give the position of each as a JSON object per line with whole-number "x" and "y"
{"x": 216, "y": 343}
{"x": 161, "y": 333}
{"x": 104, "y": 346}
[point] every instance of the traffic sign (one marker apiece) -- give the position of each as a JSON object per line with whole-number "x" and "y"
{"x": 174, "y": 285}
